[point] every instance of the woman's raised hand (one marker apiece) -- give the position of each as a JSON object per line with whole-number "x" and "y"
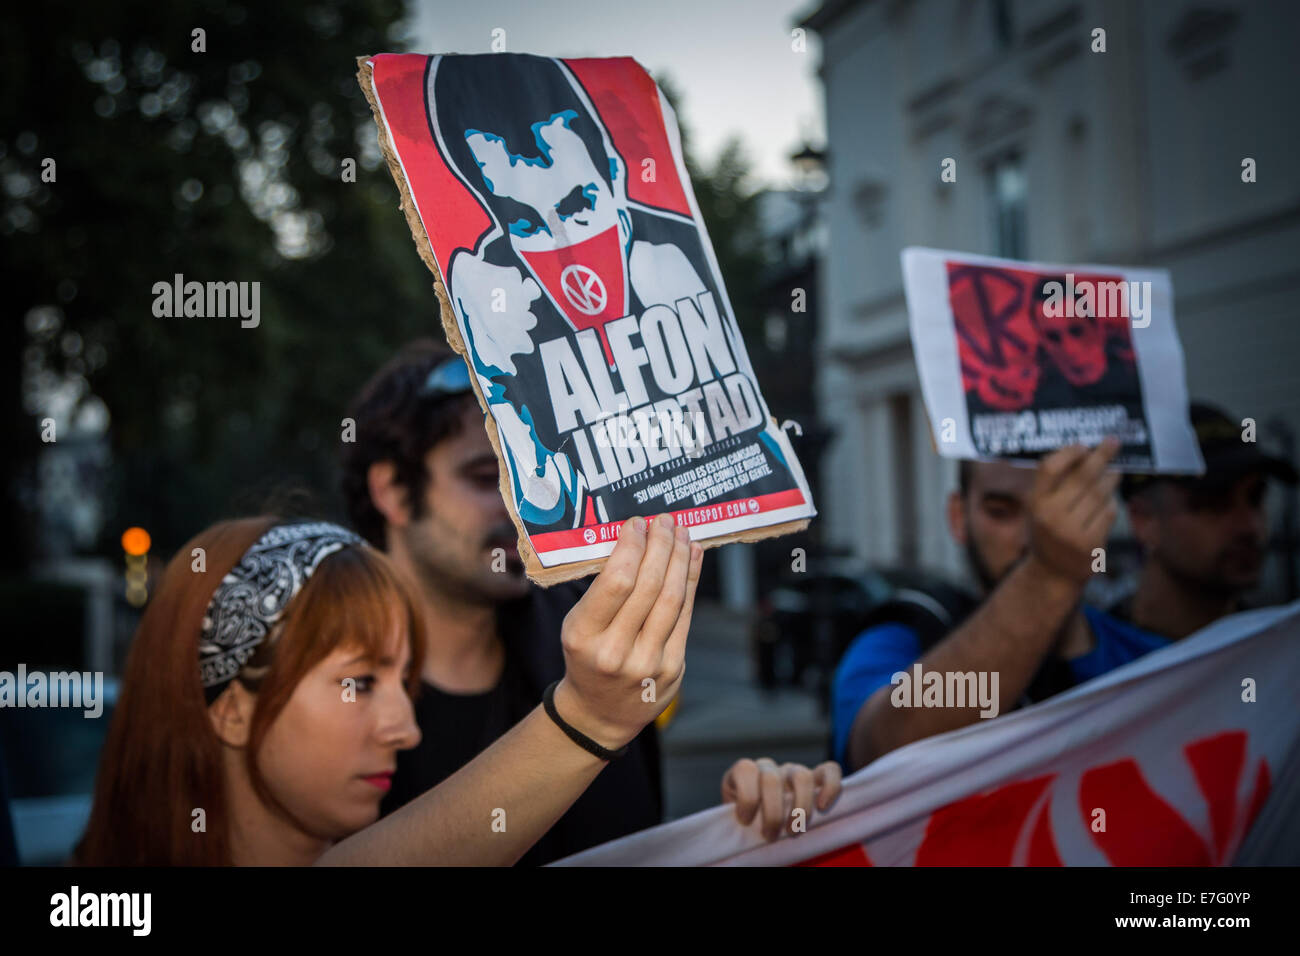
{"x": 625, "y": 641}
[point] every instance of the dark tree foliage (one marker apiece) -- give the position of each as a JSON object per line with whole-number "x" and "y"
{"x": 222, "y": 165}
{"x": 729, "y": 206}
{"x": 173, "y": 161}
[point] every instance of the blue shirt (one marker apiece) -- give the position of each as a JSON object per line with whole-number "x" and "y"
{"x": 878, "y": 653}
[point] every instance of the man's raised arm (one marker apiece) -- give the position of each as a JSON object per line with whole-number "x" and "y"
{"x": 1072, "y": 508}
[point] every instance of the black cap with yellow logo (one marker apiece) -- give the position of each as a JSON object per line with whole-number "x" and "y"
{"x": 1227, "y": 456}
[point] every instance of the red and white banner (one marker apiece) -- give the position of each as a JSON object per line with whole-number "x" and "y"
{"x": 1164, "y": 762}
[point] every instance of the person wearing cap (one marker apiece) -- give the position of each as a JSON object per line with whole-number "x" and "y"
{"x": 1203, "y": 538}
{"x": 422, "y": 483}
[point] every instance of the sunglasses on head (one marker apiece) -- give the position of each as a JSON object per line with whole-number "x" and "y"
{"x": 449, "y": 377}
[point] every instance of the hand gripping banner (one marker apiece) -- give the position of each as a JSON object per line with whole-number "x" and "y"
{"x": 551, "y": 201}
{"x": 1166, "y": 761}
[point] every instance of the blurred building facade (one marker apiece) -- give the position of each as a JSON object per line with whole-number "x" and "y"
{"x": 1131, "y": 156}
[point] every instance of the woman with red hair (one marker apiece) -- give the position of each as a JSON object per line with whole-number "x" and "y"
{"x": 268, "y": 691}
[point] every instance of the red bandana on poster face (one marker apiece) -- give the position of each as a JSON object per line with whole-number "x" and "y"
{"x": 587, "y": 282}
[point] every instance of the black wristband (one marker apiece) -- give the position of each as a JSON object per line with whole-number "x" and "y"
{"x": 577, "y": 736}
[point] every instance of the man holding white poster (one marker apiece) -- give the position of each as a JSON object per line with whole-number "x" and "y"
{"x": 1018, "y": 359}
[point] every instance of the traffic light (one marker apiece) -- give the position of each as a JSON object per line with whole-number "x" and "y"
{"x": 135, "y": 542}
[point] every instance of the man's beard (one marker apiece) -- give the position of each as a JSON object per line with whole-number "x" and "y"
{"x": 454, "y": 574}
{"x": 1214, "y": 582}
{"x": 987, "y": 581}
{"x": 504, "y": 536}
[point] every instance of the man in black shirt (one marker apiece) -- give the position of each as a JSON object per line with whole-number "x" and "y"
{"x": 421, "y": 483}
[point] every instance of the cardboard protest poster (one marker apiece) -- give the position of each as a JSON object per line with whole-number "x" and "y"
{"x": 550, "y": 199}
{"x": 1017, "y": 359}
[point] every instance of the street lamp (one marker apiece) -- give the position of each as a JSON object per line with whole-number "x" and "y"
{"x": 809, "y": 168}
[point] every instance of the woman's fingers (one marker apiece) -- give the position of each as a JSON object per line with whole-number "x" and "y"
{"x": 667, "y": 608}
{"x": 760, "y": 789}
{"x": 827, "y": 777}
{"x": 649, "y": 579}
{"x": 799, "y": 782}
{"x": 740, "y": 786}
{"x": 615, "y": 582}
{"x": 674, "y": 654}
{"x": 771, "y": 789}
{"x": 615, "y": 638}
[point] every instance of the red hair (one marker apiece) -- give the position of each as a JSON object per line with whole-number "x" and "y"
{"x": 162, "y": 759}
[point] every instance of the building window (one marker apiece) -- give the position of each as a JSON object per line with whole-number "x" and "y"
{"x": 1006, "y": 180}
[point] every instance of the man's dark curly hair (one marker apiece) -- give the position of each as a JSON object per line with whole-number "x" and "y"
{"x": 395, "y": 422}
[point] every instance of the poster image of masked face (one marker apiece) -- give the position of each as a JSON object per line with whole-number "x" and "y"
{"x": 1046, "y": 356}
{"x": 1020, "y": 346}
{"x": 550, "y": 199}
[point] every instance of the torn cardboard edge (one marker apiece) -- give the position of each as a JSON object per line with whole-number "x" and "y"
{"x": 533, "y": 567}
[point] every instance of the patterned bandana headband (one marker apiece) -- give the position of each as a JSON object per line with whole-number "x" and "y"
{"x": 253, "y": 596}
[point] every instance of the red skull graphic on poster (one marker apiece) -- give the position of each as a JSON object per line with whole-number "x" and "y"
{"x": 1013, "y": 342}
{"x": 550, "y": 199}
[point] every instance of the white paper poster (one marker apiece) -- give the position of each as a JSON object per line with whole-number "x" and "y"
{"x": 1017, "y": 359}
